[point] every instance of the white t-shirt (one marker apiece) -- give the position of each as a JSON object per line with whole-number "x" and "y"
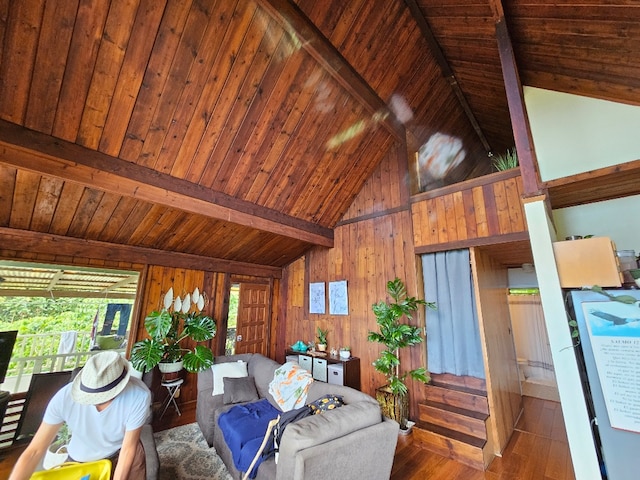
{"x": 94, "y": 434}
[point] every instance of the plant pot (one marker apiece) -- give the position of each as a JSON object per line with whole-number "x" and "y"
{"x": 345, "y": 354}
{"x": 395, "y": 407}
{"x": 55, "y": 455}
{"x": 321, "y": 347}
{"x": 410, "y": 425}
{"x": 170, "y": 367}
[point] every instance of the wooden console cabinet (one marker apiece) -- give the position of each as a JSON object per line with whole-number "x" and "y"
{"x": 328, "y": 368}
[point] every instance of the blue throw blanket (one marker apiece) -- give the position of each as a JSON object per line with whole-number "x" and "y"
{"x": 243, "y": 428}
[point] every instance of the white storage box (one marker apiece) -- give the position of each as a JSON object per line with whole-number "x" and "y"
{"x": 292, "y": 358}
{"x": 335, "y": 372}
{"x": 306, "y": 362}
{"x": 320, "y": 369}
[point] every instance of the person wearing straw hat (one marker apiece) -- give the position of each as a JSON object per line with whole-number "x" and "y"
{"x": 105, "y": 409}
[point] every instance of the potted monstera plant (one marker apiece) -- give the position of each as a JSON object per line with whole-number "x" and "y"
{"x": 167, "y": 329}
{"x": 395, "y": 335}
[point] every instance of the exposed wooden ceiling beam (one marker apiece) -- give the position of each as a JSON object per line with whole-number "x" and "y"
{"x": 48, "y": 244}
{"x": 447, "y": 72}
{"x": 517, "y": 109}
{"x": 46, "y": 155}
{"x": 294, "y": 21}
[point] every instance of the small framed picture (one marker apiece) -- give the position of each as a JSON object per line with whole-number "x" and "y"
{"x": 316, "y": 298}
{"x": 338, "y": 298}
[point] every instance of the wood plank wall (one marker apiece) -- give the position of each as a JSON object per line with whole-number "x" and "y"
{"x": 471, "y": 213}
{"x": 379, "y": 239}
{"x": 372, "y": 247}
{"x": 501, "y": 365}
{"x": 158, "y": 281}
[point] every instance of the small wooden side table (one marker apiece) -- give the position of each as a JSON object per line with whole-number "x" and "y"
{"x": 172, "y": 387}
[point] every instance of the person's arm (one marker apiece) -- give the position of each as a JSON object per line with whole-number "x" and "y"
{"x": 34, "y": 453}
{"x": 127, "y": 454}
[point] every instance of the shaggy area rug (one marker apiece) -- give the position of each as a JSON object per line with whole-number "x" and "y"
{"x": 185, "y": 455}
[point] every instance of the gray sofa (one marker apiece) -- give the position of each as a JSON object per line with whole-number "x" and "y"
{"x": 349, "y": 443}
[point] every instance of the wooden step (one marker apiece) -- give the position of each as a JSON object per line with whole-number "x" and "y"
{"x": 453, "y": 418}
{"x": 473, "y": 385}
{"x": 462, "y": 448}
{"x": 474, "y": 401}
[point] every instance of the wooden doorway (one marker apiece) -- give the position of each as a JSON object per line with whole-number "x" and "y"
{"x": 503, "y": 383}
{"x": 254, "y": 318}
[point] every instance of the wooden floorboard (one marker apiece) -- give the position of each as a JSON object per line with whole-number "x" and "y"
{"x": 538, "y": 450}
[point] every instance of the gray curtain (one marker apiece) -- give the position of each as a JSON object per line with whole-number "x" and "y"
{"x": 453, "y": 332}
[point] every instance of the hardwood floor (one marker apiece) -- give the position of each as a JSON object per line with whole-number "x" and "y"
{"x": 538, "y": 450}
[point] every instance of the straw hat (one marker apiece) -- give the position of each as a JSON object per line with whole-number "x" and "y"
{"x": 102, "y": 378}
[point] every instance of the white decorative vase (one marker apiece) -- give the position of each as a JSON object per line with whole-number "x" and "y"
{"x": 345, "y": 354}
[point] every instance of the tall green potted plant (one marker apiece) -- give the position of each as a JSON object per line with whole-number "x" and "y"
{"x": 396, "y": 335}
{"x": 166, "y": 330}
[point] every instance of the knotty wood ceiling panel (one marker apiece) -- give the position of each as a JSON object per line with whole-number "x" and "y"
{"x": 250, "y": 126}
{"x": 587, "y": 47}
{"x": 108, "y": 218}
{"x": 465, "y": 32}
{"x": 402, "y": 67}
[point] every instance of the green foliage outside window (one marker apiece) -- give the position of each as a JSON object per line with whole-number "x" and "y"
{"x": 34, "y": 315}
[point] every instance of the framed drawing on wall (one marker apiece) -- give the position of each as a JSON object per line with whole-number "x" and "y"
{"x": 316, "y": 298}
{"x": 338, "y": 298}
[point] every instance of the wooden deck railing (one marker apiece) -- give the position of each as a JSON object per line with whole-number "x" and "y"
{"x": 38, "y": 353}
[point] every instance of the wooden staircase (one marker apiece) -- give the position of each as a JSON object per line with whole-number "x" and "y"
{"x": 452, "y": 421}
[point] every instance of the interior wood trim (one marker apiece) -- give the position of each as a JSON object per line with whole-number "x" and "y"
{"x": 49, "y": 244}
{"x": 517, "y": 111}
{"x": 29, "y": 150}
{"x": 467, "y": 185}
{"x": 595, "y": 185}
{"x": 472, "y": 242}
{"x": 319, "y": 47}
{"x": 136, "y": 314}
{"x": 371, "y": 216}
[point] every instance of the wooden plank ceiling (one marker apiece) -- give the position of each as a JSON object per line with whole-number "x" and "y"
{"x": 242, "y": 130}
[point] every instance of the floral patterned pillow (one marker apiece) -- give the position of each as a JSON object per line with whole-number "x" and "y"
{"x": 326, "y": 403}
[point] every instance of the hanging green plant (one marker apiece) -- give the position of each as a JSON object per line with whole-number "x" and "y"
{"x": 626, "y": 299}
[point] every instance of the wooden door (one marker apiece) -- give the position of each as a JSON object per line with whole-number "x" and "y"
{"x": 253, "y": 318}
{"x": 501, "y": 364}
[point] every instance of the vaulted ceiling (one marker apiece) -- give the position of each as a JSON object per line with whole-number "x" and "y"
{"x": 242, "y": 130}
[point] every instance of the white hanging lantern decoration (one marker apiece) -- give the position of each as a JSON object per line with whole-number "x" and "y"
{"x": 168, "y": 298}
{"x": 186, "y": 303}
{"x": 177, "y": 304}
{"x": 195, "y": 296}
